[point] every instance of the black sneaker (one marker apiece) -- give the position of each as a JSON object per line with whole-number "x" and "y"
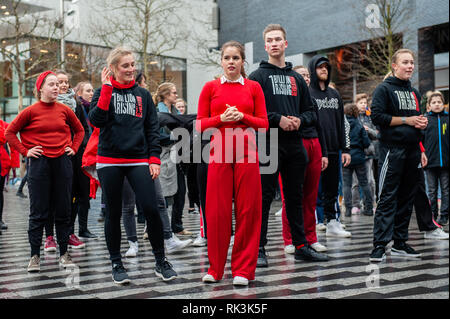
{"x": 165, "y": 271}
{"x": 21, "y": 195}
{"x": 119, "y": 274}
{"x": 308, "y": 254}
{"x": 442, "y": 220}
{"x": 3, "y": 225}
{"x": 378, "y": 254}
{"x": 368, "y": 212}
{"x": 262, "y": 259}
{"x": 87, "y": 234}
{"x": 404, "y": 250}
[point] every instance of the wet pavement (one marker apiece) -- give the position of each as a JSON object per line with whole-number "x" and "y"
{"x": 348, "y": 274}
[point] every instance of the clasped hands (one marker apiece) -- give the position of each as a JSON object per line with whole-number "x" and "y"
{"x": 231, "y": 114}
{"x": 290, "y": 123}
{"x": 420, "y": 122}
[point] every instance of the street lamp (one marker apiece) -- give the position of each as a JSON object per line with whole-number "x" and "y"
{"x": 60, "y": 25}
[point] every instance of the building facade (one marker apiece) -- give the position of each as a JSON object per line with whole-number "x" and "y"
{"x": 82, "y": 50}
{"x": 331, "y": 27}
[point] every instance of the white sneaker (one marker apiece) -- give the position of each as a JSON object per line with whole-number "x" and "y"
{"x": 334, "y": 229}
{"x": 133, "y": 250}
{"x": 355, "y": 210}
{"x": 199, "y": 241}
{"x": 208, "y": 278}
{"x": 240, "y": 281}
{"x": 321, "y": 227}
{"x": 185, "y": 242}
{"x": 438, "y": 233}
{"x": 173, "y": 245}
{"x": 289, "y": 249}
{"x": 319, "y": 247}
{"x": 278, "y": 213}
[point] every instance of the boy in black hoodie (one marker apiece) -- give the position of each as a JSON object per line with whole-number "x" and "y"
{"x": 289, "y": 107}
{"x": 336, "y": 132}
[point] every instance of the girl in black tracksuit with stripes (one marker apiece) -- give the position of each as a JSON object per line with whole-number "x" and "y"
{"x": 128, "y": 147}
{"x": 395, "y": 111}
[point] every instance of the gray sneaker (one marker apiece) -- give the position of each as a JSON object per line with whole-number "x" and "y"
{"x": 66, "y": 261}
{"x": 34, "y": 264}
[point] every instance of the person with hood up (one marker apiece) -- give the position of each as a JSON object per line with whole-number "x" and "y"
{"x": 336, "y": 132}
{"x": 396, "y": 113}
{"x": 289, "y": 109}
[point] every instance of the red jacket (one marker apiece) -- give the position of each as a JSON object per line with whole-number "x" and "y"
{"x": 89, "y": 162}
{"x": 5, "y": 158}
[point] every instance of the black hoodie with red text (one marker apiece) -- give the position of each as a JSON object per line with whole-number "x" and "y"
{"x": 286, "y": 93}
{"x": 128, "y": 122}
{"x": 395, "y": 97}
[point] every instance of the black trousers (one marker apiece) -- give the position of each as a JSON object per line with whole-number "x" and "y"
{"x": 292, "y": 161}
{"x": 192, "y": 187}
{"x": 2, "y": 200}
{"x": 202, "y": 179}
{"x": 330, "y": 186}
{"x": 178, "y": 202}
{"x": 422, "y": 206}
{"x": 111, "y": 180}
{"x": 398, "y": 176}
{"x": 50, "y": 189}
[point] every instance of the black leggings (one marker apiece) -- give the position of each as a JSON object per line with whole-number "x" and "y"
{"x": 111, "y": 180}
{"x": 2, "y": 187}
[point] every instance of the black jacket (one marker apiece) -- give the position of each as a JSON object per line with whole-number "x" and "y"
{"x": 331, "y": 110}
{"x": 436, "y": 140}
{"x": 359, "y": 141}
{"x": 130, "y": 127}
{"x": 286, "y": 93}
{"x": 395, "y": 97}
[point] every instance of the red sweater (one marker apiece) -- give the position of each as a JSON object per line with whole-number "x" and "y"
{"x": 248, "y": 99}
{"x": 48, "y": 125}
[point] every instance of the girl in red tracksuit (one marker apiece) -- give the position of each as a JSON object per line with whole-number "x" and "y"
{"x": 232, "y": 104}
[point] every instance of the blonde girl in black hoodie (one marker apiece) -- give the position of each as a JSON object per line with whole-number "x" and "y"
{"x": 396, "y": 113}
{"x": 128, "y": 147}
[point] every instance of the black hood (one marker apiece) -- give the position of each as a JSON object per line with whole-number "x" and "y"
{"x": 397, "y": 82}
{"x": 312, "y": 71}
{"x": 267, "y": 65}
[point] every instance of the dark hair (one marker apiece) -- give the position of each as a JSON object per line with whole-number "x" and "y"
{"x": 351, "y": 109}
{"x": 241, "y": 49}
{"x": 139, "y": 77}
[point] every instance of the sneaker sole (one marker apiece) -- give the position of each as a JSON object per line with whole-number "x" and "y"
{"x": 123, "y": 282}
{"x": 163, "y": 278}
{"x": 395, "y": 252}
{"x": 34, "y": 269}
{"x": 435, "y": 237}
{"x": 378, "y": 259}
{"x": 338, "y": 235}
{"x": 77, "y": 247}
{"x": 50, "y": 250}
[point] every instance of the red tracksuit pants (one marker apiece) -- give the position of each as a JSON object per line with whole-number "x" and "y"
{"x": 243, "y": 181}
{"x": 310, "y": 191}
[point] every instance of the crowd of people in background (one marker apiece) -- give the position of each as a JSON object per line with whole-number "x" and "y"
{"x": 388, "y": 156}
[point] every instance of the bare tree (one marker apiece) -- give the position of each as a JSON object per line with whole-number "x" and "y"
{"x": 27, "y": 42}
{"x": 151, "y": 28}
